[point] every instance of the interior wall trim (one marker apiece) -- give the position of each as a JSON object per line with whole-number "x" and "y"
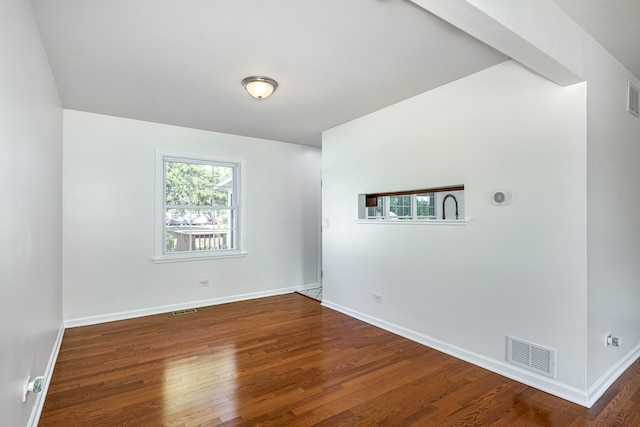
{"x": 598, "y": 388}
{"x": 34, "y": 419}
{"x": 548, "y": 385}
{"x": 131, "y": 314}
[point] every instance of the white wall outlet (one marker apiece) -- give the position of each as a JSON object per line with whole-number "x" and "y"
{"x": 25, "y": 390}
{"x": 377, "y": 298}
{"x": 204, "y": 283}
{"x": 613, "y": 341}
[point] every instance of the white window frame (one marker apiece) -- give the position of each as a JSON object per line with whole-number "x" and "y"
{"x": 160, "y": 256}
{"x": 413, "y": 206}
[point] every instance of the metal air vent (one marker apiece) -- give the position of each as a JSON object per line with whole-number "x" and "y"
{"x": 187, "y": 311}
{"x": 533, "y": 357}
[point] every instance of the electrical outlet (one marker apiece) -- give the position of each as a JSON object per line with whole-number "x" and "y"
{"x": 613, "y": 341}
{"x": 25, "y": 390}
{"x": 204, "y": 283}
{"x": 377, "y": 298}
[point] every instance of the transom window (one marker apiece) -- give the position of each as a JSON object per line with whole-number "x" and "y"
{"x": 200, "y": 206}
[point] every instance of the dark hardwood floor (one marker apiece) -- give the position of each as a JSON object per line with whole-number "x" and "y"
{"x": 287, "y": 361}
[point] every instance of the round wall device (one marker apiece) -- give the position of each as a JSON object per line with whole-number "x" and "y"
{"x": 501, "y": 197}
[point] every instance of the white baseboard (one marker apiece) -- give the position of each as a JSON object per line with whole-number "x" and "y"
{"x": 123, "y": 315}
{"x": 596, "y": 391}
{"x": 48, "y": 373}
{"x": 548, "y": 385}
{"x": 307, "y": 287}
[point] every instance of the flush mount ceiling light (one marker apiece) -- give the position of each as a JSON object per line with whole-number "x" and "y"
{"x": 259, "y": 87}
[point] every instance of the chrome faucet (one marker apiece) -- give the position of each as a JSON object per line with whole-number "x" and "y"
{"x": 445, "y": 200}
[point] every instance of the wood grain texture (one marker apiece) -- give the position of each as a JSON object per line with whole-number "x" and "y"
{"x": 287, "y": 361}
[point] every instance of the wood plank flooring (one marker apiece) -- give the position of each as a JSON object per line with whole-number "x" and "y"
{"x": 288, "y": 361}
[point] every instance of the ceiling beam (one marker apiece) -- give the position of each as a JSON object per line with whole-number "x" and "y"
{"x": 507, "y": 28}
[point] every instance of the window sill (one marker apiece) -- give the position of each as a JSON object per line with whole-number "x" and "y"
{"x": 188, "y": 258}
{"x": 445, "y": 222}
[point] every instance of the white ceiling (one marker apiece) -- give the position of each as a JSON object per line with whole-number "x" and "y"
{"x": 615, "y": 24}
{"x": 181, "y": 62}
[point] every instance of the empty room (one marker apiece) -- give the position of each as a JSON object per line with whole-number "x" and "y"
{"x": 374, "y": 212}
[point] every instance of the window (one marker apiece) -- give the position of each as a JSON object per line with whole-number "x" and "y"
{"x": 425, "y": 206}
{"x": 411, "y": 206}
{"x": 200, "y": 207}
{"x": 416, "y": 205}
{"x": 400, "y": 206}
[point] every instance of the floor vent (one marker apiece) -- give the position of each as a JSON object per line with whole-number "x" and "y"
{"x": 633, "y": 104}
{"x": 181, "y": 312}
{"x": 532, "y": 357}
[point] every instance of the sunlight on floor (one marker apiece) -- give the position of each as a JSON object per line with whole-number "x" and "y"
{"x": 201, "y": 384}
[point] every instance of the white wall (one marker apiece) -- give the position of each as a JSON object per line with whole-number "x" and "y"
{"x": 109, "y": 208}
{"x": 614, "y": 226}
{"x": 516, "y": 270}
{"x": 30, "y": 220}
{"x": 613, "y": 139}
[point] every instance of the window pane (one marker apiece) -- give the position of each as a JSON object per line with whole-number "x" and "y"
{"x": 222, "y": 197}
{"x": 188, "y": 184}
{"x": 223, "y": 185}
{"x": 425, "y": 205}
{"x": 222, "y": 219}
{"x": 223, "y": 176}
{"x": 175, "y": 217}
{"x": 224, "y": 232}
{"x": 400, "y": 205}
{"x": 196, "y": 218}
